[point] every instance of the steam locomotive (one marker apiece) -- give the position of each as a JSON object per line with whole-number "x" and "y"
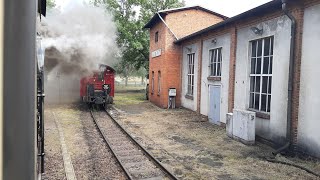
{"x": 98, "y": 89}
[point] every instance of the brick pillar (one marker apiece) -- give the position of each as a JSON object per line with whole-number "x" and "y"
{"x": 232, "y": 68}
{"x": 298, "y": 14}
{"x": 199, "y": 76}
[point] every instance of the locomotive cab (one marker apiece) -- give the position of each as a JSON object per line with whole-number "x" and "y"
{"x": 99, "y": 88}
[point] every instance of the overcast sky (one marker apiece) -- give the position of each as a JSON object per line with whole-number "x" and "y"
{"x": 227, "y": 7}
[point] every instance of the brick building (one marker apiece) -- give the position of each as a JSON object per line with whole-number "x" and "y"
{"x": 166, "y": 27}
{"x": 262, "y": 61}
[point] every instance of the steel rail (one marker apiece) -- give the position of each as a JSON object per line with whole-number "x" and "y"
{"x": 109, "y": 145}
{"x": 158, "y": 163}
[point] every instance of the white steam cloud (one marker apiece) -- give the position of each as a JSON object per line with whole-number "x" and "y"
{"x": 79, "y": 38}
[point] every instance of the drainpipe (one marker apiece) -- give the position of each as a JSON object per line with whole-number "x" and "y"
{"x": 167, "y": 26}
{"x": 290, "y": 81}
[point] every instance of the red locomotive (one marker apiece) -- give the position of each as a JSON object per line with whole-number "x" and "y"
{"x": 99, "y": 88}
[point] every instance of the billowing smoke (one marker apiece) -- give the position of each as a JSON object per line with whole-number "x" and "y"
{"x": 76, "y": 40}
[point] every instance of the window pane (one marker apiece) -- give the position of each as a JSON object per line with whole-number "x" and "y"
{"x": 263, "y": 102}
{"x": 257, "y": 85}
{"x": 254, "y": 48}
{"x": 253, "y": 65}
{"x": 214, "y": 55}
{"x": 266, "y": 51}
{"x": 192, "y": 69}
{"x": 192, "y": 80}
{"x": 270, "y": 68}
{"x": 259, "y": 48}
{"x": 211, "y": 69}
{"x": 192, "y": 58}
{"x": 256, "y": 101}
{"x": 220, "y": 56}
{"x": 269, "y": 103}
{"x": 264, "y": 84}
{"x": 252, "y": 83}
{"x": 265, "y": 65}
{"x": 271, "y": 46}
{"x": 251, "y": 100}
{"x": 218, "y": 69}
{"x": 270, "y": 84}
{"x": 258, "y": 69}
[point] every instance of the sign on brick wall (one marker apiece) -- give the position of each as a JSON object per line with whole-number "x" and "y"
{"x": 156, "y": 53}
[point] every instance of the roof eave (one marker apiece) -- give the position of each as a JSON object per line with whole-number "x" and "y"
{"x": 266, "y": 6}
{"x": 165, "y": 12}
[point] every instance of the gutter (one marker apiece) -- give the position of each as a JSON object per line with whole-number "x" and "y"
{"x": 290, "y": 81}
{"x": 167, "y": 26}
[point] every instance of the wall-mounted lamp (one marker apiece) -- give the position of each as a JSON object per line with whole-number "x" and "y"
{"x": 214, "y": 41}
{"x": 189, "y": 49}
{"x": 257, "y": 30}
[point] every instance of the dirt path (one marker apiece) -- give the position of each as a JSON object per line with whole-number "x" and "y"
{"x": 90, "y": 157}
{"x": 195, "y": 149}
{"x": 53, "y": 156}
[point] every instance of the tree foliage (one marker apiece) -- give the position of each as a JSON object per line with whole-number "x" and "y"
{"x": 130, "y": 17}
{"x": 51, "y": 4}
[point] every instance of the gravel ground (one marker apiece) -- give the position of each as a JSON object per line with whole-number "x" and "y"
{"x": 90, "y": 156}
{"x": 53, "y": 156}
{"x": 193, "y": 148}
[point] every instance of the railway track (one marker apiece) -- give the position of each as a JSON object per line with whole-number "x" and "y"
{"x": 135, "y": 160}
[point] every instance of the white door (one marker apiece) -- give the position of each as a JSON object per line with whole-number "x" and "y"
{"x": 214, "y": 104}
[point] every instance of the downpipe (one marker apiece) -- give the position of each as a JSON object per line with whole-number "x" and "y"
{"x": 290, "y": 81}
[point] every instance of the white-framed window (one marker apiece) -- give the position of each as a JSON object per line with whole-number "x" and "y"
{"x": 159, "y": 82}
{"x": 261, "y": 60}
{"x": 215, "y": 62}
{"x": 190, "y": 75}
{"x": 152, "y": 83}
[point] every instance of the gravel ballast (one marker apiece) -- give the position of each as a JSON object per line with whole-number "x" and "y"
{"x": 89, "y": 154}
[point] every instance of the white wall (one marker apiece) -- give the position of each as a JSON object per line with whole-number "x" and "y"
{"x": 188, "y": 103}
{"x": 224, "y": 42}
{"x": 275, "y": 128}
{"x": 309, "y": 107}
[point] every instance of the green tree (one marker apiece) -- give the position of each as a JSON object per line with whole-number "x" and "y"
{"x": 130, "y": 17}
{"x": 51, "y": 4}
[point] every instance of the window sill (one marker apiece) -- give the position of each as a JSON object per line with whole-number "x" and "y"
{"x": 187, "y": 96}
{"x": 214, "y": 78}
{"x": 262, "y": 115}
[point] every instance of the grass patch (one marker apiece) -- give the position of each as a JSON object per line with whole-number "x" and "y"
{"x": 122, "y": 89}
{"x": 129, "y": 98}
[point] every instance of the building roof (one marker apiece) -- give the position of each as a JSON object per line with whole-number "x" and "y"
{"x": 163, "y": 13}
{"x": 263, "y": 9}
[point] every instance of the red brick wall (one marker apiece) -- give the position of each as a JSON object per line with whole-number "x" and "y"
{"x": 156, "y": 63}
{"x": 200, "y": 45}
{"x": 169, "y": 63}
{"x": 183, "y": 23}
{"x": 232, "y": 68}
{"x": 298, "y": 13}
